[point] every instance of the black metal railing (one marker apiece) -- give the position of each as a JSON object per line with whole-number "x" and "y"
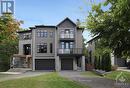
{"x": 71, "y": 51}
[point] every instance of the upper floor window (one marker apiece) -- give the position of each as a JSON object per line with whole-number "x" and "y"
{"x": 51, "y": 34}
{"x": 27, "y": 36}
{"x": 71, "y": 45}
{"x": 71, "y": 31}
{"x": 42, "y": 33}
{"x": 42, "y": 48}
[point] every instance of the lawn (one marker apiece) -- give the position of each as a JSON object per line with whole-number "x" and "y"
{"x": 2, "y": 76}
{"x": 114, "y": 74}
{"x": 52, "y": 80}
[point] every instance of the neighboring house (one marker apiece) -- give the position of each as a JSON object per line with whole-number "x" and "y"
{"x": 114, "y": 60}
{"x": 51, "y": 47}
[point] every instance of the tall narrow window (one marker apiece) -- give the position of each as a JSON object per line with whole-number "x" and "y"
{"x": 51, "y": 34}
{"x": 62, "y": 46}
{"x": 71, "y": 45}
{"x": 51, "y": 48}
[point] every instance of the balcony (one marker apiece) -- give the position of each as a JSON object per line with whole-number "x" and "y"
{"x": 74, "y": 51}
{"x": 66, "y": 36}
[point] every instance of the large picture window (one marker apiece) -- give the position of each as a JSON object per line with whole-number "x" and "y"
{"x": 66, "y": 45}
{"x": 42, "y": 48}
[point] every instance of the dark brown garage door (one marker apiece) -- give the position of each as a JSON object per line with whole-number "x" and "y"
{"x": 46, "y": 64}
{"x": 67, "y": 64}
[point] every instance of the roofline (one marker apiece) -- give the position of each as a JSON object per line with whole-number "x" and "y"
{"x": 93, "y": 39}
{"x": 66, "y": 19}
{"x": 48, "y": 26}
{"x": 24, "y": 31}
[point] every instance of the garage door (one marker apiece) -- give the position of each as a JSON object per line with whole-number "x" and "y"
{"x": 67, "y": 64}
{"x": 46, "y": 64}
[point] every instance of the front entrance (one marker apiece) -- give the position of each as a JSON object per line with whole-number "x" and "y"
{"x": 27, "y": 49}
{"x": 66, "y": 64}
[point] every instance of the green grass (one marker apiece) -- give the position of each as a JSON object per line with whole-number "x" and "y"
{"x": 90, "y": 74}
{"x": 52, "y": 80}
{"x": 2, "y": 76}
{"x": 114, "y": 74}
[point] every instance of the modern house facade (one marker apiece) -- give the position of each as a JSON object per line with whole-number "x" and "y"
{"x": 51, "y": 47}
{"x": 120, "y": 62}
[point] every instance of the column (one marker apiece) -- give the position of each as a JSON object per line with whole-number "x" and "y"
{"x": 33, "y": 49}
{"x": 74, "y": 64}
{"x": 57, "y": 63}
{"x": 83, "y": 63}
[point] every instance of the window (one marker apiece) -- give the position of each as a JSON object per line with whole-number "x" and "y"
{"x": 45, "y": 33}
{"x": 67, "y": 45}
{"x": 71, "y": 45}
{"x": 27, "y": 36}
{"x": 51, "y": 48}
{"x": 42, "y": 48}
{"x": 42, "y": 33}
{"x": 62, "y": 45}
{"x": 67, "y": 31}
{"x": 51, "y": 34}
{"x": 71, "y": 31}
{"x": 39, "y": 33}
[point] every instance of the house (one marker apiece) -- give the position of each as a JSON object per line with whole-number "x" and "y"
{"x": 51, "y": 47}
{"x": 120, "y": 62}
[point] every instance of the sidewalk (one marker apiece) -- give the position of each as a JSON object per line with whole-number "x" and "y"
{"x": 123, "y": 69}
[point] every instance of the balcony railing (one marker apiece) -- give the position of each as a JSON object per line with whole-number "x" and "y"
{"x": 73, "y": 51}
{"x": 70, "y": 36}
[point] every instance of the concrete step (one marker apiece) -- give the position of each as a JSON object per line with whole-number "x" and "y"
{"x": 22, "y": 70}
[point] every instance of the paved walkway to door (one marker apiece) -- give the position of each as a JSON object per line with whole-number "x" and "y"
{"x": 92, "y": 82}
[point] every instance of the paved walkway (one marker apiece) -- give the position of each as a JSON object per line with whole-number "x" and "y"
{"x": 4, "y": 77}
{"x": 123, "y": 69}
{"x": 92, "y": 82}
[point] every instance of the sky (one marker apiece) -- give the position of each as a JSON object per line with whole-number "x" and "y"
{"x": 51, "y": 12}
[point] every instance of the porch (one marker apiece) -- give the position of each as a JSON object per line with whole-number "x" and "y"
{"x": 21, "y": 61}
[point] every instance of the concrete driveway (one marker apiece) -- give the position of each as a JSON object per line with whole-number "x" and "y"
{"x": 92, "y": 82}
{"x": 4, "y": 77}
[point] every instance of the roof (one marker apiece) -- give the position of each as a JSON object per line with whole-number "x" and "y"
{"x": 24, "y": 31}
{"x": 93, "y": 39}
{"x": 65, "y": 20}
{"x": 48, "y": 26}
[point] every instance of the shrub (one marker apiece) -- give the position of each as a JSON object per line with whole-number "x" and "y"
{"x": 128, "y": 65}
{"x": 103, "y": 63}
{"x": 95, "y": 63}
{"x": 107, "y": 62}
{"x": 99, "y": 64}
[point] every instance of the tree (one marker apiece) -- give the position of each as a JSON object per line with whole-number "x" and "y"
{"x": 8, "y": 39}
{"x": 112, "y": 26}
{"x": 99, "y": 64}
{"x": 8, "y": 27}
{"x": 107, "y": 65}
{"x": 95, "y": 63}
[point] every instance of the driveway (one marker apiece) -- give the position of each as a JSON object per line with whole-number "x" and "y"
{"x": 4, "y": 77}
{"x": 92, "y": 82}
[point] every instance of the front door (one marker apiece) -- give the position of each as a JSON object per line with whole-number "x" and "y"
{"x": 27, "y": 49}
